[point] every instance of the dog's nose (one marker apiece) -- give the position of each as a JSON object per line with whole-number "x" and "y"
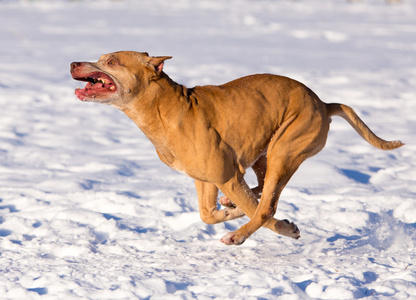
{"x": 75, "y": 65}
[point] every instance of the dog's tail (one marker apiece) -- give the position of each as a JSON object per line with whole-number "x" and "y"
{"x": 346, "y": 112}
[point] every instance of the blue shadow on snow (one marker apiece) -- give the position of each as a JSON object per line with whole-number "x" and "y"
{"x": 340, "y": 236}
{"x": 356, "y": 176}
{"x": 109, "y": 217}
{"x": 40, "y": 291}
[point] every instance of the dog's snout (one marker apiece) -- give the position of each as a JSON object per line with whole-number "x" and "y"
{"x": 75, "y": 65}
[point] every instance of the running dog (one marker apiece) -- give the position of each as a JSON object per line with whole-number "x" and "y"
{"x": 214, "y": 133}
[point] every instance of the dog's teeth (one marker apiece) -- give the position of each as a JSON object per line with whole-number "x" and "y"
{"x": 112, "y": 87}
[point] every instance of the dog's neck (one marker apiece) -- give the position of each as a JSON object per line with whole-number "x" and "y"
{"x": 158, "y": 111}
{"x": 158, "y": 105}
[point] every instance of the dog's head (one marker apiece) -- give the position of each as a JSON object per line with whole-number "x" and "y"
{"x": 117, "y": 77}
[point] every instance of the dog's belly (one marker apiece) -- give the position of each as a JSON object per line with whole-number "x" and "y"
{"x": 215, "y": 163}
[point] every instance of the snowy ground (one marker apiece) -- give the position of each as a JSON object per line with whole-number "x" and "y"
{"x": 88, "y": 211}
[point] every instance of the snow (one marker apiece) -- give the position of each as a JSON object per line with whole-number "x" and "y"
{"x": 87, "y": 210}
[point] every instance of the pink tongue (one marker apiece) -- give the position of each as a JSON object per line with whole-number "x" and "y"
{"x": 97, "y": 85}
{"x": 91, "y": 89}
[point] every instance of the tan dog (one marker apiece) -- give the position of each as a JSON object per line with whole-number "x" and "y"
{"x": 214, "y": 133}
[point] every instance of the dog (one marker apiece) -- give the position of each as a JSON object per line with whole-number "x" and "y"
{"x": 213, "y": 134}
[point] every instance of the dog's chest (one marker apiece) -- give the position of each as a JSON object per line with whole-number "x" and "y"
{"x": 170, "y": 160}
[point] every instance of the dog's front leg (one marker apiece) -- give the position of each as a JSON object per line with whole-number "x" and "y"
{"x": 207, "y": 199}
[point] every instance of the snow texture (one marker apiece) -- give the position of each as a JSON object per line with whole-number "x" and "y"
{"x": 87, "y": 210}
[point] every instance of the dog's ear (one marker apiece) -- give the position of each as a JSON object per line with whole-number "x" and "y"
{"x": 157, "y": 62}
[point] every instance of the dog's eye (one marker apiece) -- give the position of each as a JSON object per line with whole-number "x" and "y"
{"x": 111, "y": 62}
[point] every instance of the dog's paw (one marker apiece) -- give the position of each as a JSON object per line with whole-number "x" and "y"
{"x": 232, "y": 213}
{"x": 224, "y": 201}
{"x": 287, "y": 228}
{"x": 232, "y": 238}
{"x": 294, "y": 231}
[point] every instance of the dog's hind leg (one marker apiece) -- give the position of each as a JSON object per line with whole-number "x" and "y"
{"x": 295, "y": 141}
{"x": 207, "y": 199}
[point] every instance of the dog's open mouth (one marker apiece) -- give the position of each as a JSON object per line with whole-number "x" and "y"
{"x": 99, "y": 86}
